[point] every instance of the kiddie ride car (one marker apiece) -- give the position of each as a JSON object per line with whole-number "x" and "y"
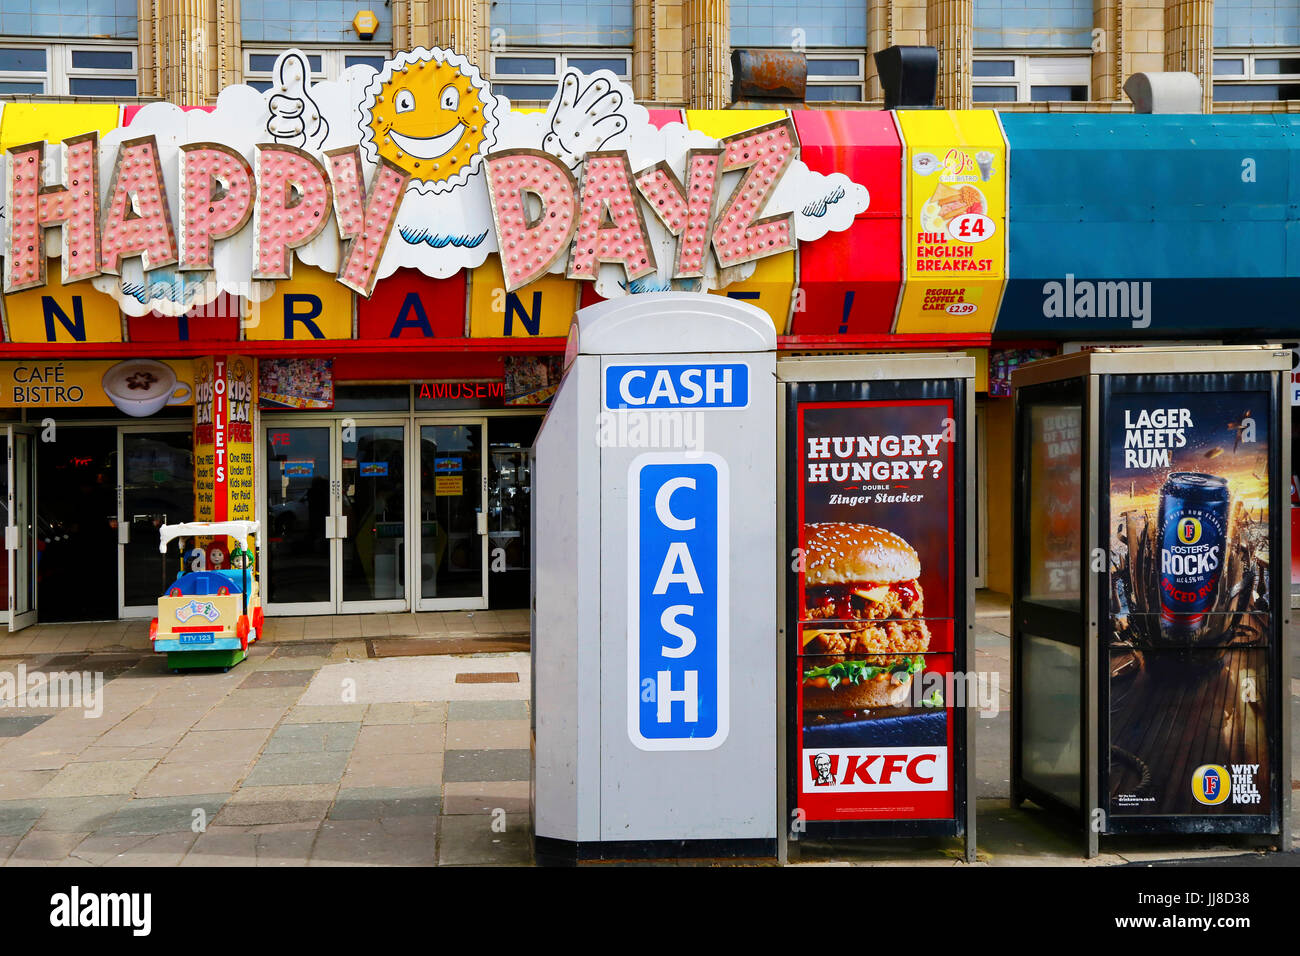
{"x": 207, "y": 618}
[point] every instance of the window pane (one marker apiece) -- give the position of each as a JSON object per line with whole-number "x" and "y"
{"x": 525, "y": 66}
{"x": 993, "y": 94}
{"x": 260, "y": 85}
{"x": 377, "y": 62}
{"x": 14, "y": 86}
{"x": 103, "y": 60}
{"x": 994, "y": 68}
{"x": 1277, "y": 66}
{"x": 822, "y": 92}
{"x": 526, "y": 91}
{"x": 572, "y": 23}
{"x": 818, "y": 23}
{"x": 1042, "y": 94}
{"x": 99, "y": 86}
{"x": 261, "y": 62}
{"x": 18, "y": 60}
{"x": 590, "y": 64}
{"x": 1235, "y": 92}
{"x": 1229, "y": 67}
{"x": 265, "y": 62}
{"x": 820, "y": 67}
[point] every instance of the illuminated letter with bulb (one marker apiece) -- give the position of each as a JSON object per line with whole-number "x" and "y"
{"x": 531, "y": 238}
{"x": 33, "y": 207}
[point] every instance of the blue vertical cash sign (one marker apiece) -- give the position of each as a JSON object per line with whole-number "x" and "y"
{"x": 678, "y": 603}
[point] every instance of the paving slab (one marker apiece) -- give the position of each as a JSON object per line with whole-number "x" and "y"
{"x": 487, "y": 710}
{"x": 90, "y": 779}
{"x": 44, "y": 848}
{"x": 485, "y": 796}
{"x": 375, "y": 803}
{"x": 163, "y": 849}
{"x": 410, "y": 712}
{"x": 181, "y": 779}
{"x": 467, "y": 765}
{"x": 477, "y": 840}
{"x": 488, "y": 735}
{"x": 80, "y": 814}
{"x": 284, "y": 847}
{"x": 417, "y": 678}
{"x": 221, "y": 746}
{"x": 288, "y": 769}
{"x": 222, "y": 846}
{"x": 398, "y": 739}
{"x": 288, "y": 804}
{"x": 401, "y": 841}
{"x": 152, "y": 815}
{"x": 322, "y": 737}
{"x": 12, "y": 726}
{"x": 235, "y": 717}
{"x": 281, "y": 678}
{"x": 326, "y": 713}
{"x": 393, "y": 770}
{"x": 19, "y": 816}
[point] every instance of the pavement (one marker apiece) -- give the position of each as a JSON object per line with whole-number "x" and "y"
{"x": 314, "y": 752}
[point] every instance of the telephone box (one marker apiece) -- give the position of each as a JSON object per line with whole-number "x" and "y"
{"x": 654, "y": 621}
{"x": 878, "y": 602}
{"x": 1151, "y": 598}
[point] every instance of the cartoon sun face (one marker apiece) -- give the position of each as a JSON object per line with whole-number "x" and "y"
{"x": 432, "y": 114}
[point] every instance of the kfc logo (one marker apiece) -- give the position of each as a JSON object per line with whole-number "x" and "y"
{"x": 876, "y": 769}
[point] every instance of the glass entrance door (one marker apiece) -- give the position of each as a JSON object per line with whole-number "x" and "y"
{"x": 334, "y": 510}
{"x": 20, "y": 526}
{"x": 371, "y": 526}
{"x": 156, "y": 487}
{"x": 298, "y": 517}
{"x": 453, "y": 557}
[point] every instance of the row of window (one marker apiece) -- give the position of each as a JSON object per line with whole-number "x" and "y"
{"x": 74, "y": 69}
{"x": 1038, "y": 24}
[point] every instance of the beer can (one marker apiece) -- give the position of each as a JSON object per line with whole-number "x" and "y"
{"x": 1193, "y": 533}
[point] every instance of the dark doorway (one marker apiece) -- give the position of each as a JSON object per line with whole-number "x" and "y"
{"x": 76, "y": 480}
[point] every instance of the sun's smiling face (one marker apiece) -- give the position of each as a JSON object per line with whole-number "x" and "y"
{"x": 430, "y": 113}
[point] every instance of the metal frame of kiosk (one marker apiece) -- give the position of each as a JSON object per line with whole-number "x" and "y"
{"x": 870, "y": 378}
{"x": 1149, "y": 659}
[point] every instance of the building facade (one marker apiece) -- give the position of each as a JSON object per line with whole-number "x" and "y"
{"x": 408, "y": 488}
{"x": 1009, "y": 54}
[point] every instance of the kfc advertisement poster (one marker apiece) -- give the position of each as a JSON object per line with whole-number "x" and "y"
{"x": 874, "y": 618}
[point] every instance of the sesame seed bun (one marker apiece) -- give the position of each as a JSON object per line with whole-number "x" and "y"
{"x": 843, "y": 552}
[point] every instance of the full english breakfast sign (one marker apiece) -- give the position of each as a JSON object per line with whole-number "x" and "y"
{"x": 418, "y": 165}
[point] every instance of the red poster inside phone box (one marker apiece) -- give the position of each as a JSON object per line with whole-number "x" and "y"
{"x": 875, "y": 618}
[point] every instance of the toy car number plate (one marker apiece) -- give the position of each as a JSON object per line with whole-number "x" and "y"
{"x": 199, "y": 637}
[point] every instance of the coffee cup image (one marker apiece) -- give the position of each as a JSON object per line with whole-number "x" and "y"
{"x": 142, "y": 387}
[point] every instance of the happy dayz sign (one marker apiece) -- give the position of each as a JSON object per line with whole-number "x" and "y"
{"x": 419, "y": 165}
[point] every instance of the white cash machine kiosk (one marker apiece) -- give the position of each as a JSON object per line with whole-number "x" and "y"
{"x": 654, "y": 608}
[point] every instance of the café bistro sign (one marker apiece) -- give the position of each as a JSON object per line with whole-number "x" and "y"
{"x": 419, "y": 165}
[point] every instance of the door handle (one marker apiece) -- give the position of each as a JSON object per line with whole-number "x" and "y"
{"x": 341, "y": 526}
{"x": 329, "y": 528}
{"x": 482, "y": 523}
{"x": 123, "y": 532}
{"x": 11, "y": 537}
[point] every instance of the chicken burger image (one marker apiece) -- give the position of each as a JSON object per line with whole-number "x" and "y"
{"x": 864, "y": 632}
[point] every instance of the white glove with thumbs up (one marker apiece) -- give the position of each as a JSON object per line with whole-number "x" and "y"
{"x": 295, "y": 118}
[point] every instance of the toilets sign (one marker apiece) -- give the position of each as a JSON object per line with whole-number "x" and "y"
{"x": 678, "y": 602}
